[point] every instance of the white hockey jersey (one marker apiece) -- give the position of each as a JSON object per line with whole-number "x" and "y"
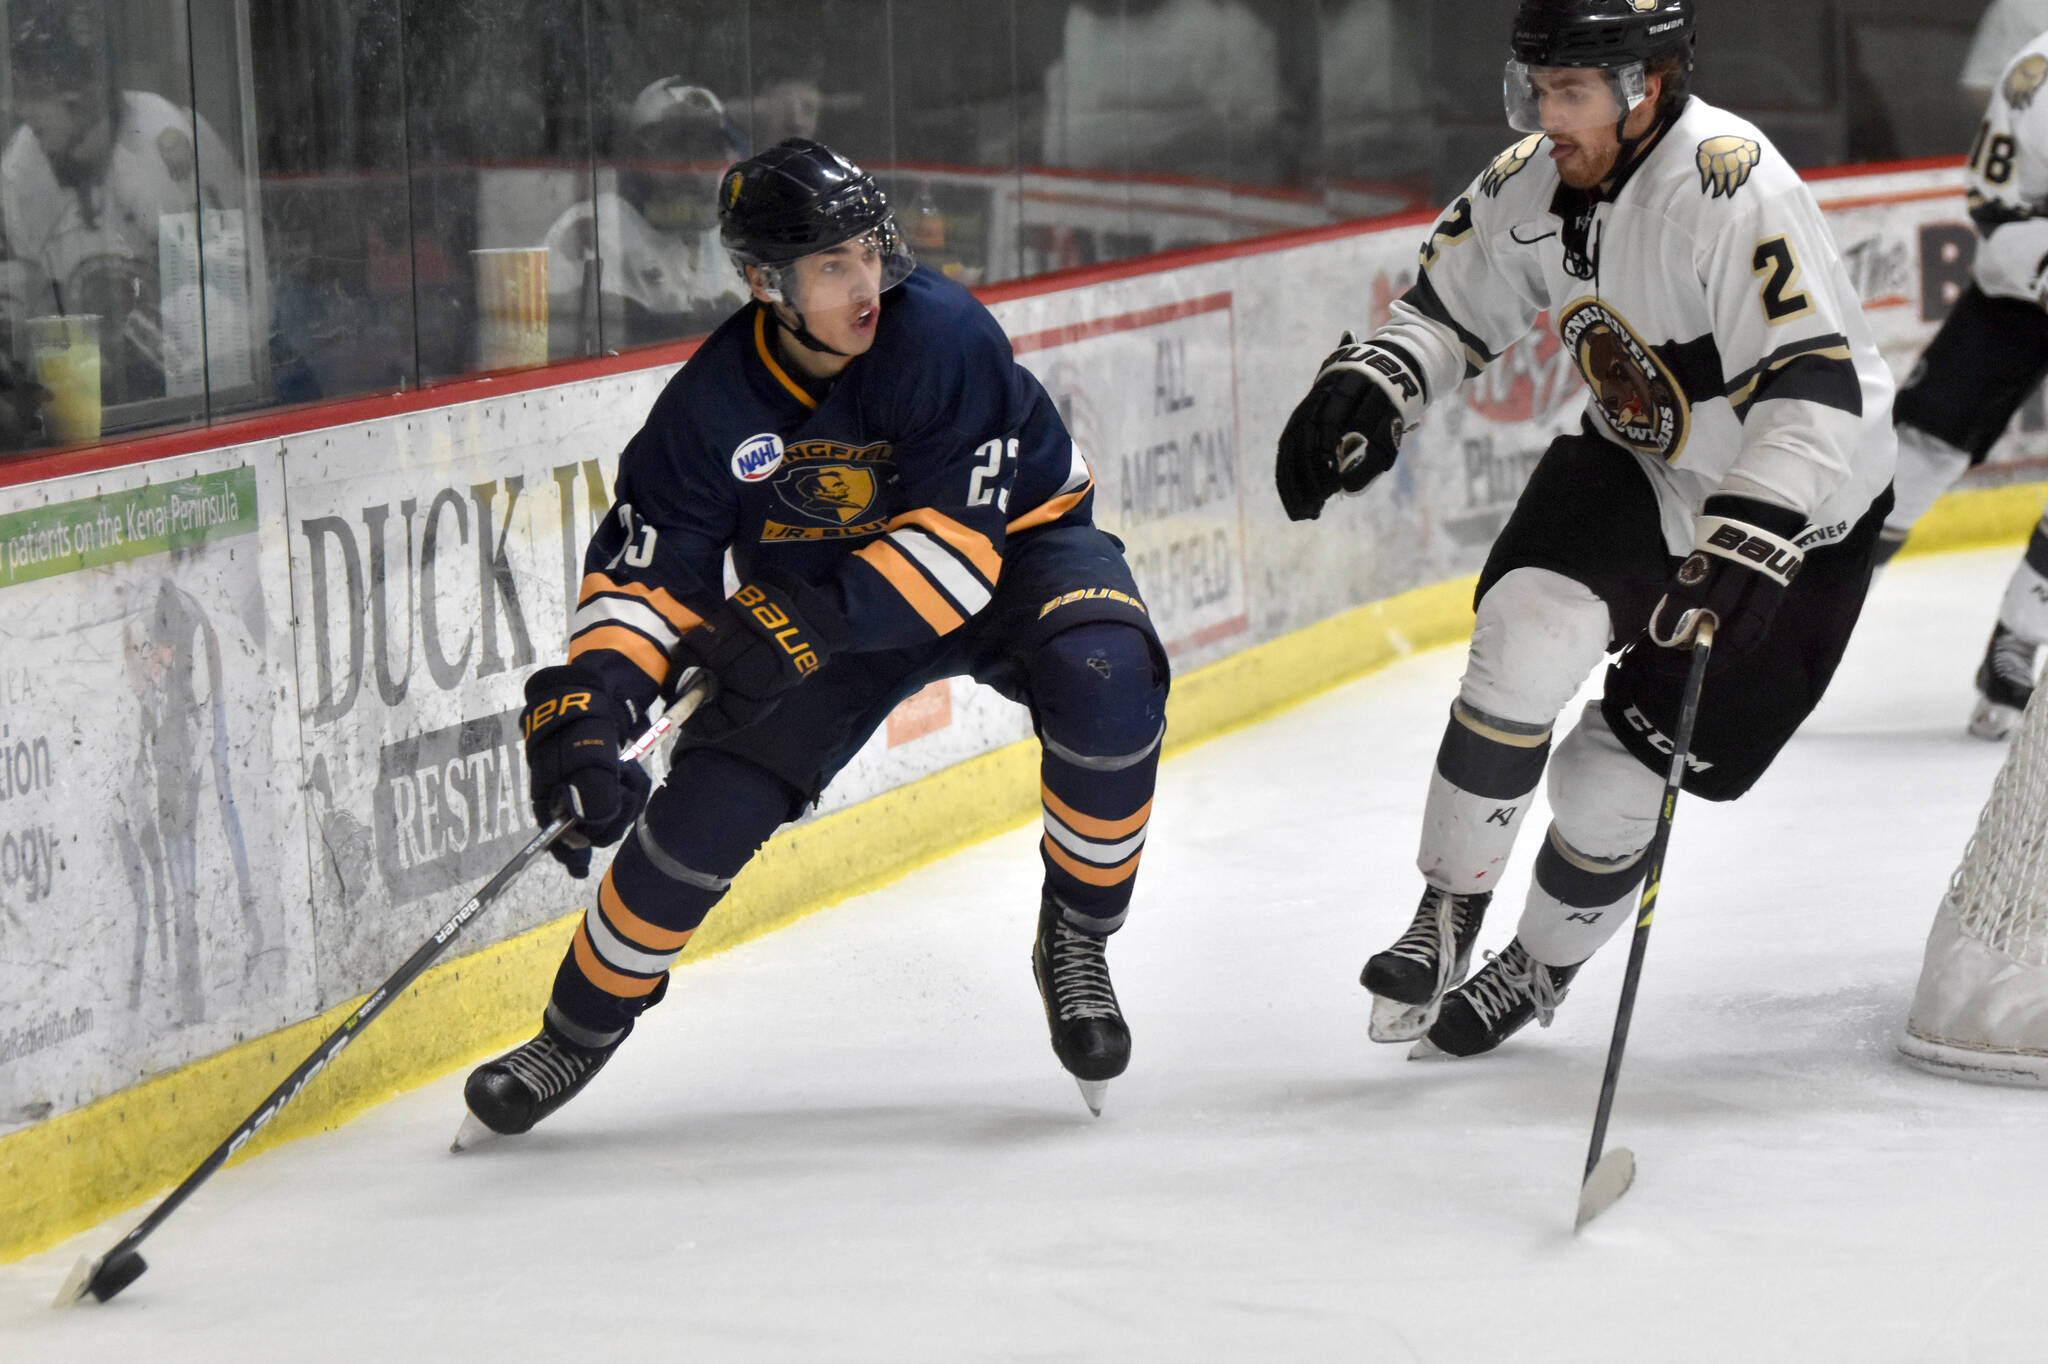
{"x": 1705, "y": 303}
{"x": 2008, "y": 181}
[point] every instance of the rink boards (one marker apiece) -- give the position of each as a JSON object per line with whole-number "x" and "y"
{"x": 257, "y": 703}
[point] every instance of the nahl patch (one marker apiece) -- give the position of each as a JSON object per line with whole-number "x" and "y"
{"x": 1725, "y": 165}
{"x": 2024, "y": 81}
{"x": 1507, "y": 164}
{"x": 757, "y": 457}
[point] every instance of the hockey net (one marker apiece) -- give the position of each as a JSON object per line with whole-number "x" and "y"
{"x": 1981, "y": 1011}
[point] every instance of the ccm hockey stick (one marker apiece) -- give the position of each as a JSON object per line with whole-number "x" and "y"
{"x": 101, "y": 1279}
{"x": 1608, "y": 1176}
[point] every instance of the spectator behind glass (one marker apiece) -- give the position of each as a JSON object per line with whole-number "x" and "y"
{"x": 87, "y": 183}
{"x": 2007, "y": 26}
{"x": 1169, "y": 87}
{"x": 659, "y": 269}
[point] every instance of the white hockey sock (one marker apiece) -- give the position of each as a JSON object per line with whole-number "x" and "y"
{"x": 1927, "y": 466}
{"x": 1537, "y": 635}
{"x": 1576, "y": 902}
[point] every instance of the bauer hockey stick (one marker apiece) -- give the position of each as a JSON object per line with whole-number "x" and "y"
{"x": 1608, "y": 1176}
{"x": 101, "y": 1279}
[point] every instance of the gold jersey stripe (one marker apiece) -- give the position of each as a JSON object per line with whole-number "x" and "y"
{"x": 1051, "y": 510}
{"x": 968, "y": 543}
{"x": 896, "y": 570}
{"x": 670, "y": 610}
{"x": 638, "y": 648}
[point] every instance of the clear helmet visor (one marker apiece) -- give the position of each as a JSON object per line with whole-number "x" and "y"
{"x": 1571, "y": 99}
{"x": 847, "y": 277}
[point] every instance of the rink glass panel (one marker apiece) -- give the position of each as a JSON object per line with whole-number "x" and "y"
{"x": 385, "y": 194}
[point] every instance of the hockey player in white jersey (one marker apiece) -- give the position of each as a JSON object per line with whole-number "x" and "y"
{"x": 1735, "y": 462}
{"x": 1991, "y": 352}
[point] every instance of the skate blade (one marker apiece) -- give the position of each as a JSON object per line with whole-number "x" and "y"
{"x": 1393, "y": 1021}
{"x": 1993, "y": 721}
{"x": 1426, "y": 1050}
{"x": 473, "y": 1133}
{"x": 1093, "y": 1092}
{"x": 1609, "y": 1180}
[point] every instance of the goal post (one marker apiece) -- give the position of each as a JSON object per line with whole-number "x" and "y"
{"x": 1981, "y": 1010}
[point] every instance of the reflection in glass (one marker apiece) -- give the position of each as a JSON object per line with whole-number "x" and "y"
{"x": 103, "y": 215}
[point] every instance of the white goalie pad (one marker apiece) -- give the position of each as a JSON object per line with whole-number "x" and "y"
{"x": 1981, "y": 1010}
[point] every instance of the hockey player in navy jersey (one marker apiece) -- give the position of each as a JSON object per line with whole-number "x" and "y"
{"x": 1735, "y": 462}
{"x": 902, "y": 504}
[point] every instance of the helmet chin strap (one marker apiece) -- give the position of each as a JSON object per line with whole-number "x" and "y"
{"x": 802, "y": 332}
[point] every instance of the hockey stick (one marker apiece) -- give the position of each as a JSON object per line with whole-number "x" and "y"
{"x": 103, "y": 1278}
{"x": 1608, "y": 1176}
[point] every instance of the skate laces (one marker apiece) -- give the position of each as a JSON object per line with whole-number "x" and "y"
{"x": 1080, "y": 975}
{"x": 1511, "y": 977}
{"x": 1432, "y": 936}
{"x": 546, "y": 1067}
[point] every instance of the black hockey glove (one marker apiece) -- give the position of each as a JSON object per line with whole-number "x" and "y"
{"x": 1742, "y": 561}
{"x": 574, "y": 730}
{"x": 1348, "y": 429}
{"x": 756, "y": 645}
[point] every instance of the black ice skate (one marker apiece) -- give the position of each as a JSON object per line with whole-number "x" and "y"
{"x": 1408, "y": 980}
{"x": 509, "y": 1095}
{"x": 2005, "y": 682}
{"x": 1495, "y": 1004}
{"x": 1088, "y": 1032}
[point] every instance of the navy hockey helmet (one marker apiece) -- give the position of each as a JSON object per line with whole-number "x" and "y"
{"x": 800, "y": 197}
{"x": 1618, "y": 38}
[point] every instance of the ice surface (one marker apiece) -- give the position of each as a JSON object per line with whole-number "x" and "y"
{"x": 851, "y": 1141}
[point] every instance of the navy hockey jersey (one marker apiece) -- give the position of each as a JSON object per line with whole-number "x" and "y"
{"x": 892, "y": 495}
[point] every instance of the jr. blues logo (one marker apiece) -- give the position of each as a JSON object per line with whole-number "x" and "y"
{"x": 757, "y": 457}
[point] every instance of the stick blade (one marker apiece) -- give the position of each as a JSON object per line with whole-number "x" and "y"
{"x": 1606, "y": 1183}
{"x": 100, "y": 1279}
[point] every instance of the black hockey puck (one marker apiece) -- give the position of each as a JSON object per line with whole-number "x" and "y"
{"x": 122, "y": 1268}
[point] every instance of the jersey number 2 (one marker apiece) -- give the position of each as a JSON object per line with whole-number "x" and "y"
{"x": 1775, "y": 261}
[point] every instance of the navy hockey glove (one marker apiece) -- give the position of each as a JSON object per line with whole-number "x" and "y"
{"x": 1742, "y": 562}
{"x": 1348, "y": 429}
{"x": 756, "y": 645}
{"x": 574, "y": 730}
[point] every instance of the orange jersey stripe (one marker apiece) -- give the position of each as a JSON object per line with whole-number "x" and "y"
{"x": 603, "y": 977}
{"x": 634, "y": 929}
{"x": 1088, "y": 826}
{"x": 884, "y": 558}
{"x": 972, "y": 544}
{"x": 1094, "y": 876}
{"x": 796, "y": 389}
{"x": 646, "y": 656}
{"x": 666, "y": 606}
{"x": 1047, "y": 512}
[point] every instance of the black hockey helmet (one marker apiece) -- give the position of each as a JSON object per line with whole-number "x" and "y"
{"x": 1618, "y": 38}
{"x": 1602, "y": 33}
